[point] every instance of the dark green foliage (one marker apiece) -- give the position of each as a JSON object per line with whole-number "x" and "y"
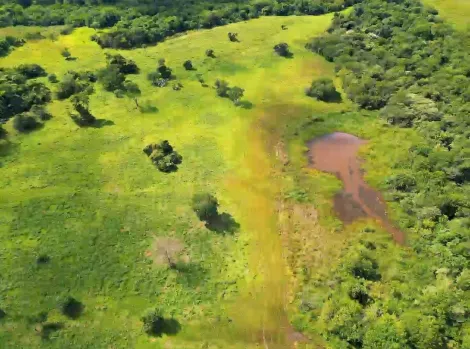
{"x": 233, "y": 37}
{"x": 188, "y": 65}
{"x": 66, "y": 54}
{"x": 18, "y": 94}
{"x": 222, "y": 88}
{"x": 282, "y": 50}
{"x": 235, "y": 94}
{"x": 80, "y": 103}
{"x": 25, "y": 122}
{"x": 43, "y": 259}
{"x": 3, "y": 314}
{"x": 161, "y": 77}
{"x": 52, "y": 78}
{"x": 210, "y": 53}
{"x": 111, "y": 78}
{"x": 125, "y": 66}
{"x": 205, "y": 206}
{"x": 8, "y": 43}
{"x": 164, "y": 157}
{"x": 153, "y": 321}
{"x": 324, "y": 90}
{"x": 73, "y": 83}
{"x": 31, "y": 71}
{"x": 71, "y": 308}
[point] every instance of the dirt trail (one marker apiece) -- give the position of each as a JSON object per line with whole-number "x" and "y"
{"x": 337, "y": 153}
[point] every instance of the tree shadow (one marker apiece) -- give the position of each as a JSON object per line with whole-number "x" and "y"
{"x": 288, "y": 55}
{"x": 148, "y": 108}
{"x": 99, "y": 123}
{"x": 223, "y": 224}
{"x": 246, "y": 104}
{"x": 170, "y": 327}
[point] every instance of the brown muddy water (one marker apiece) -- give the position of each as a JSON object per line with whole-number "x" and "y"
{"x": 336, "y": 153}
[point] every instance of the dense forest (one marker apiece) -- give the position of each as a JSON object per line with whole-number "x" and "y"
{"x": 400, "y": 58}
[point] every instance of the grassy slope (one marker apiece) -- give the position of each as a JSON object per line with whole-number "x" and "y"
{"x": 455, "y": 11}
{"x": 92, "y": 201}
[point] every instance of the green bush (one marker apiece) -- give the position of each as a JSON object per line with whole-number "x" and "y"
{"x": 25, "y": 122}
{"x": 282, "y": 49}
{"x": 52, "y": 78}
{"x": 163, "y": 156}
{"x": 125, "y": 66}
{"x": 205, "y": 206}
{"x": 324, "y": 90}
{"x": 154, "y": 322}
{"x": 31, "y": 71}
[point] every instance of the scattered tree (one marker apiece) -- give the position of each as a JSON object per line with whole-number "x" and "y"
{"x": 205, "y": 206}
{"x": 125, "y": 66}
{"x": 324, "y": 90}
{"x": 132, "y": 90}
{"x": 31, "y": 71}
{"x": 111, "y": 78}
{"x": 163, "y": 156}
{"x": 282, "y": 50}
{"x": 222, "y": 88}
{"x": 25, "y": 123}
{"x": 71, "y": 307}
{"x": 233, "y": 37}
{"x": 210, "y": 53}
{"x": 67, "y": 55}
{"x": 188, "y": 65}
{"x": 52, "y": 78}
{"x": 80, "y": 103}
{"x": 235, "y": 93}
{"x": 154, "y": 322}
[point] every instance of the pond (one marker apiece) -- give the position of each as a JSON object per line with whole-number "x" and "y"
{"x": 336, "y": 153}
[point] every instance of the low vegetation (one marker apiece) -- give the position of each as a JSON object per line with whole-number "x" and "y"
{"x": 324, "y": 90}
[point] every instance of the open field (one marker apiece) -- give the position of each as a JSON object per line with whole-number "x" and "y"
{"x": 455, "y": 11}
{"x": 91, "y": 201}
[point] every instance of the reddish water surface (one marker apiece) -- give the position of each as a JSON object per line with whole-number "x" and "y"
{"x": 337, "y": 153}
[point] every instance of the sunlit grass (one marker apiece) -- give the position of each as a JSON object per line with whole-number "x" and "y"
{"x": 455, "y": 11}
{"x": 92, "y": 201}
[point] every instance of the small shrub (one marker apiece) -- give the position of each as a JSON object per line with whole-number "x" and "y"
{"x": 52, "y": 78}
{"x": 205, "y": 206}
{"x": 282, "y": 50}
{"x": 177, "y": 86}
{"x": 233, "y": 37}
{"x": 111, "y": 78}
{"x": 80, "y": 103}
{"x": 154, "y": 322}
{"x": 71, "y": 307}
{"x": 324, "y": 90}
{"x": 188, "y": 65}
{"x": 235, "y": 94}
{"x": 34, "y": 36}
{"x": 40, "y": 113}
{"x": 210, "y": 53}
{"x": 66, "y": 31}
{"x": 161, "y": 77}
{"x": 66, "y": 53}
{"x": 163, "y": 156}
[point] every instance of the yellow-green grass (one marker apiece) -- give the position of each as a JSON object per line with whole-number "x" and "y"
{"x": 455, "y": 11}
{"x": 91, "y": 200}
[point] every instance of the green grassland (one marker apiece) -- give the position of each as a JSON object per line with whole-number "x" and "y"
{"x": 92, "y": 201}
{"x": 455, "y": 11}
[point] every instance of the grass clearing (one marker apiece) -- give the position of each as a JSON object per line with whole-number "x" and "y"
{"x": 91, "y": 201}
{"x": 455, "y": 11}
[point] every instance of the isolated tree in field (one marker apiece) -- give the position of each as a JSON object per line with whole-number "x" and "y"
{"x": 210, "y": 53}
{"x": 235, "y": 94}
{"x": 71, "y": 307}
{"x": 188, "y": 65}
{"x": 154, "y": 322}
{"x": 163, "y": 156}
{"x": 205, "y": 206}
{"x": 282, "y": 49}
{"x": 132, "y": 90}
{"x": 324, "y": 90}
{"x": 31, "y": 71}
{"x": 233, "y": 37}
{"x": 66, "y": 54}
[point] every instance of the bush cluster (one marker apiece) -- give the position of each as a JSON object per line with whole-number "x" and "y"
{"x": 164, "y": 157}
{"x": 233, "y": 93}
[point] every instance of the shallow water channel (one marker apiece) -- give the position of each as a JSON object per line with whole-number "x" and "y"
{"x": 336, "y": 153}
